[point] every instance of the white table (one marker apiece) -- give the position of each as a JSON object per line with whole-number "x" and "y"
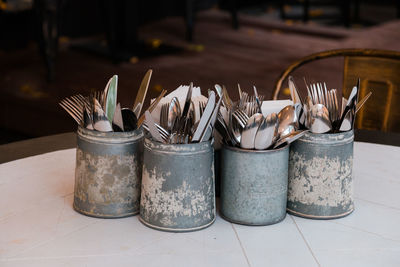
{"x": 38, "y": 226}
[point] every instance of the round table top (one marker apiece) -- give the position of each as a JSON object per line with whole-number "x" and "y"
{"x": 38, "y": 226}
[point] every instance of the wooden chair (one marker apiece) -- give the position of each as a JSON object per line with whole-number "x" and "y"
{"x": 379, "y": 71}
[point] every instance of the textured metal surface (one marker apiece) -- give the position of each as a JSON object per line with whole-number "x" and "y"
{"x": 178, "y": 191}
{"x": 108, "y": 173}
{"x": 320, "y": 176}
{"x": 254, "y": 185}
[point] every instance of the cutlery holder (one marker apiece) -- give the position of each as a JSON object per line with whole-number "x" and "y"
{"x": 108, "y": 173}
{"x": 178, "y": 193}
{"x": 254, "y": 185}
{"x": 320, "y": 176}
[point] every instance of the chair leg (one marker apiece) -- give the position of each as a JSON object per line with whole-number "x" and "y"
{"x": 346, "y": 6}
{"x": 306, "y": 8}
{"x": 47, "y": 20}
{"x": 398, "y": 9}
{"x": 234, "y": 15}
{"x": 189, "y": 19}
{"x": 282, "y": 9}
{"x": 356, "y": 14}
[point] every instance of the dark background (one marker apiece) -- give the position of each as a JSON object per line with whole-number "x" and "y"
{"x": 53, "y": 49}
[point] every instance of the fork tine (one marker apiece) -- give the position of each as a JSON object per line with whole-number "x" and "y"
{"x": 73, "y": 106}
{"x": 79, "y": 99}
{"x": 76, "y": 103}
{"x": 70, "y": 113}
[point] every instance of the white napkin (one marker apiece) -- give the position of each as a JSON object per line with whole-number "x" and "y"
{"x": 271, "y": 106}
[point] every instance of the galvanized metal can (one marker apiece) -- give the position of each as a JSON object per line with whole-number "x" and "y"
{"x": 108, "y": 173}
{"x": 254, "y": 185}
{"x": 178, "y": 193}
{"x": 320, "y": 176}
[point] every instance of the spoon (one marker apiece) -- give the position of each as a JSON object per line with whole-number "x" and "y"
{"x": 250, "y": 130}
{"x": 306, "y": 114}
{"x": 129, "y": 119}
{"x": 100, "y": 120}
{"x": 235, "y": 127}
{"x": 319, "y": 119}
{"x": 266, "y": 132}
{"x": 346, "y": 123}
{"x": 117, "y": 120}
{"x": 87, "y": 119}
{"x": 174, "y": 111}
{"x": 288, "y": 121}
{"x": 290, "y": 138}
{"x": 350, "y": 105}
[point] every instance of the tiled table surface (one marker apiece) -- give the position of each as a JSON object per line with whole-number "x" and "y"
{"x": 38, "y": 226}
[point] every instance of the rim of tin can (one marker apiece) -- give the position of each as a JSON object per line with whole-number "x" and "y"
{"x": 110, "y": 137}
{"x": 191, "y": 148}
{"x": 265, "y": 151}
{"x": 328, "y": 138}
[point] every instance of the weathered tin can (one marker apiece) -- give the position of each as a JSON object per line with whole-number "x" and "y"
{"x": 320, "y": 176}
{"x": 178, "y": 193}
{"x": 254, "y": 185}
{"x": 108, "y": 173}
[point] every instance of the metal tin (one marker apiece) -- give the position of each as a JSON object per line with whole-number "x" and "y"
{"x": 254, "y": 185}
{"x": 108, "y": 173}
{"x": 178, "y": 193}
{"x": 320, "y": 176}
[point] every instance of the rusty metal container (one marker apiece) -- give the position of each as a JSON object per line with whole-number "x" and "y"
{"x": 108, "y": 173}
{"x": 178, "y": 193}
{"x": 321, "y": 176}
{"x": 254, "y": 185}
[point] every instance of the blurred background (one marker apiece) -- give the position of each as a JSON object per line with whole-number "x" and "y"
{"x": 51, "y": 49}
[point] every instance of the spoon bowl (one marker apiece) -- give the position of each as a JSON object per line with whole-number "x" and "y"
{"x": 319, "y": 119}
{"x": 288, "y": 121}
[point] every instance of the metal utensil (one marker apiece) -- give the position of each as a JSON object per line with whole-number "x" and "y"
{"x": 152, "y": 127}
{"x": 186, "y": 107}
{"x": 362, "y": 101}
{"x": 87, "y": 119}
{"x": 205, "y": 117}
{"x": 319, "y": 119}
{"x": 141, "y": 95}
{"x": 111, "y": 98}
{"x": 290, "y": 138}
{"x": 117, "y": 120}
{"x": 151, "y": 107}
{"x": 211, "y": 122}
{"x": 129, "y": 119}
{"x": 266, "y": 132}
{"x": 288, "y": 121}
{"x": 294, "y": 92}
{"x": 257, "y": 99}
{"x": 351, "y": 103}
{"x": 250, "y": 130}
{"x": 174, "y": 111}
{"x": 100, "y": 120}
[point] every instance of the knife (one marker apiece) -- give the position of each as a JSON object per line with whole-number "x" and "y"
{"x": 152, "y": 127}
{"x": 205, "y": 117}
{"x": 211, "y": 122}
{"x": 257, "y": 99}
{"x": 362, "y": 101}
{"x": 141, "y": 95}
{"x": 293, "y": 91}
{"x": 186, "y": 107}
{"x": 151, "y": 107}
